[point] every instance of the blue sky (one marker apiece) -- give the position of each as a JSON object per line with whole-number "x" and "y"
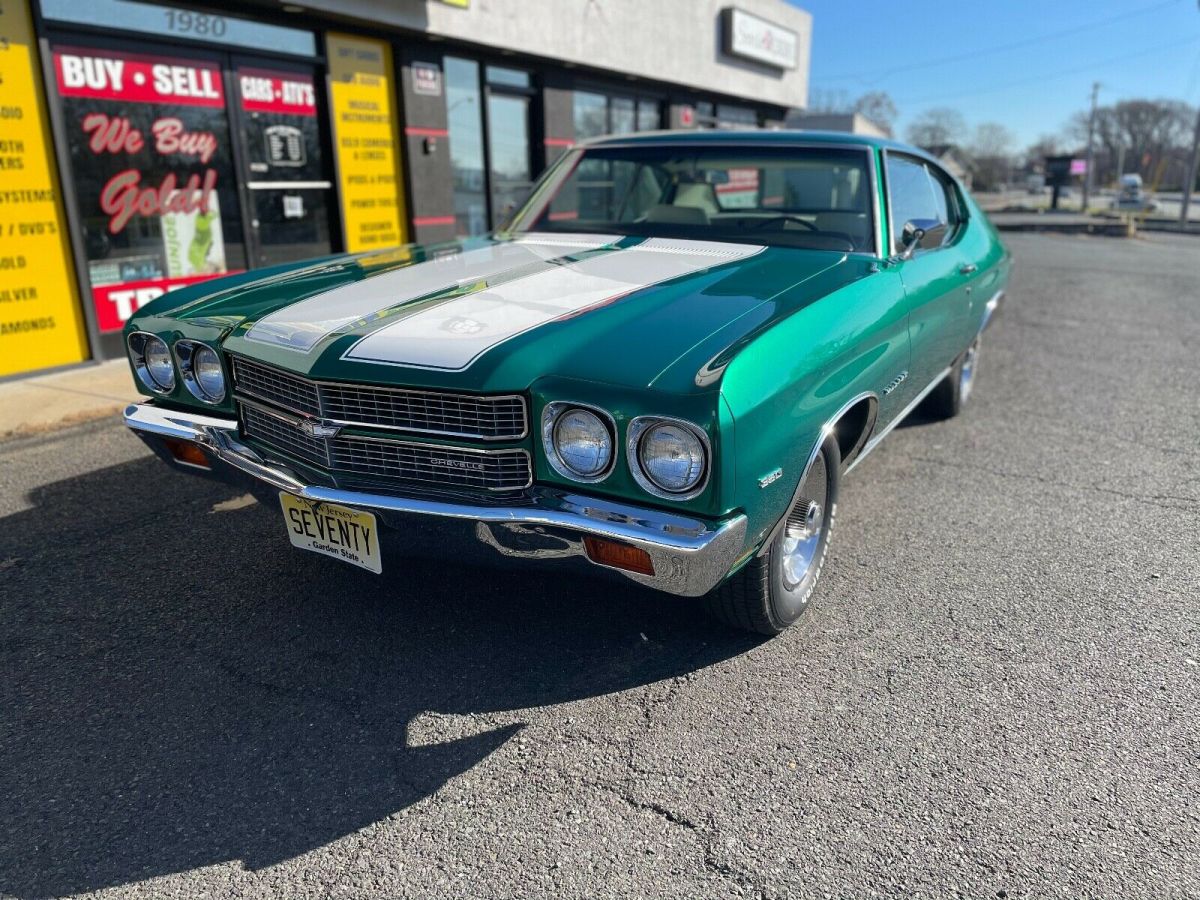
{"x": 1134, "y": 48}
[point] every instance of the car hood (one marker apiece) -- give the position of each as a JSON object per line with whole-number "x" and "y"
{"x": 498, "y": 313}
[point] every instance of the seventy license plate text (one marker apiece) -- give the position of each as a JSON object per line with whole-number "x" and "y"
{"x": 338, "y": 531}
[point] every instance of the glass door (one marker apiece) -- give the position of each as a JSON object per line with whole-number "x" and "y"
{"x": 285, "y": 171}
{"x": 510, "y": 167}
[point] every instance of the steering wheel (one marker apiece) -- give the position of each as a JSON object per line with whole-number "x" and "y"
{"x": 785, "y": 217}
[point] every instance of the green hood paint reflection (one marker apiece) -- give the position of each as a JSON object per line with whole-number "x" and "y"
{"x": 658, "y": 336}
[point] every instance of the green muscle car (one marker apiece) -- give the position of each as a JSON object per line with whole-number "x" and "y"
{"x": 660, "y": 369}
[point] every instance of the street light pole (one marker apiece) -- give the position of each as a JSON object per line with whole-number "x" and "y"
{"x": 1087, "y": 175}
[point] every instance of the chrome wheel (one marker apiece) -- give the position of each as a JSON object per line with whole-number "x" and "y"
{"x": 805, "y": 525}
{"x": 966, "y": 375}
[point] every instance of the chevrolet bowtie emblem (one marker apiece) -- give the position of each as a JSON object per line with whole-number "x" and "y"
{"x": 316, "y": 428}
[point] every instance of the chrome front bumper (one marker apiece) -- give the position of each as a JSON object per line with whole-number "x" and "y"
{"x": 689, "y": 556}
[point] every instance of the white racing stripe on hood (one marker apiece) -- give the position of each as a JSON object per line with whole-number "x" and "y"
{"x": 454, "y": 334}
{"x": 303, "y": 325}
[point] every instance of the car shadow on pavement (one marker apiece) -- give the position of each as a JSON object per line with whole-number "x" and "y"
{"x": 181, "y": 688}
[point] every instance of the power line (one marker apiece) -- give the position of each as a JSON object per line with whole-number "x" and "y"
{"x": 871, "y": 77}
{"x": 1062, "y": 73}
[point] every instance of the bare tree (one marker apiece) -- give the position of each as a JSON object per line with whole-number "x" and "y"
{"x": 829, "y": 101}
{"x": 991, "y": 151}
{"x": 875, "y": 105}
{"x": 879, "y": 108}
{"x": 1149, "y": 137}
{"x": 940, "y": 125}
{"x": 1036, "y": 153}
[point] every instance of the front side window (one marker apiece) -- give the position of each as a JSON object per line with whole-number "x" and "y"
{"x": 918, "y": 191}
{"x": 786, "y": 196}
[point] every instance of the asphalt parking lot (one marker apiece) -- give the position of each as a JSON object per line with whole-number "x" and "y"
{"x": 995, "y": 694}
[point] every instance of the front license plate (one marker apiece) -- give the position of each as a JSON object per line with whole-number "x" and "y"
{"x": 338, "y": 531}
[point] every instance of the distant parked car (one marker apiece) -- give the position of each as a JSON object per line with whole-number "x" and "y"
{"x": 662, "y": 369}
{"x": 1131, "y": 197}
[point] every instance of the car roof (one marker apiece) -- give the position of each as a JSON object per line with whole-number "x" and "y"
{"x": 763, "y": 137}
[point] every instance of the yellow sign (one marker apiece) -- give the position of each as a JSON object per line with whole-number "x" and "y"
{"x": 41, "y": 324}
{"x": 362, "y": 97}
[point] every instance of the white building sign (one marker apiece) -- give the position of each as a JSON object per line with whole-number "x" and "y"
{"x": 757, "y": 39}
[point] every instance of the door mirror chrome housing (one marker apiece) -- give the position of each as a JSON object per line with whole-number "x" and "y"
{"x": 921, "y": 234}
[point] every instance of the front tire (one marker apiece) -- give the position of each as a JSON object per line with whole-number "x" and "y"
{"x": 773, "y": 589}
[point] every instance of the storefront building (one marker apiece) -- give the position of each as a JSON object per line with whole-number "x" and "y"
{"x": 145, "y": 146}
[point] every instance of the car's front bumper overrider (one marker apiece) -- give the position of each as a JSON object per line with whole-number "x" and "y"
{"x": 689, "y": 556}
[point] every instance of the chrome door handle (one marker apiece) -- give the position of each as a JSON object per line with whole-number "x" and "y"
{"x": 967, "y": 269}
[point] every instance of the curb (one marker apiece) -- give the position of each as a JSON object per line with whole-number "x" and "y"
{"x": 1106, "y": 229}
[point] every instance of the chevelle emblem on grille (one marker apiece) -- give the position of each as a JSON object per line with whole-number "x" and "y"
{"x": 316, "y": 428}
{"x": 456, "y": 463}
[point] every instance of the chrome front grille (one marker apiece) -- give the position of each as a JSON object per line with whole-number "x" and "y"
{"x": 390, "y": 460}
{"x": 281, "y": 388}
{"x": 494, "y": 418}
{"x": 284, "y": 434}
{"x": 496, "y": 470}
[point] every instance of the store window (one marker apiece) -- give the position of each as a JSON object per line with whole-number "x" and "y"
{"x": 464, "y": 110}
{"x": 622, "y": 116}
{"x": 649, "y": 115}
{"x": 729, "y": 116}
{"x": 153, "y": 173}
{"x": 596, "y": 114}
{"x": 590, "y": 114}
{"x": 187, "y": 164}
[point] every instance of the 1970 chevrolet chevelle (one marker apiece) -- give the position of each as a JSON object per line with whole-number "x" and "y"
{"x": 661, "y": 368}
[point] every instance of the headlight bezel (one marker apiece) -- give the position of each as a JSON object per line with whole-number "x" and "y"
{"x": 637, "y": 431}
{"x": 136, "y": 344}
{"x": 551, "y": 417}
{"x": 186, "y": 351}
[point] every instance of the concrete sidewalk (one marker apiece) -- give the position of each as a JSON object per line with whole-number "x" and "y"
{"x": 45, "y": 402}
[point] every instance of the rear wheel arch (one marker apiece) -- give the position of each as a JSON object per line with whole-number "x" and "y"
{"x": 854, "y": 425}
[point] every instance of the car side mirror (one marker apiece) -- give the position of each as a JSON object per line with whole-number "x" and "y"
{"x": 921, "y": 234}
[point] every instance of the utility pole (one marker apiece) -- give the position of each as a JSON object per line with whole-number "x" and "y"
{"x": 1189, "y": 177}
{"x": 1087, "y": 175}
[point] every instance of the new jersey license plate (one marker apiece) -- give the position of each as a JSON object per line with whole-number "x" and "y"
{"x": 347, "y": 534}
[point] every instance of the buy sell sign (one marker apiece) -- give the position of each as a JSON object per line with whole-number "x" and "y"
{"x": 41, "y": 324}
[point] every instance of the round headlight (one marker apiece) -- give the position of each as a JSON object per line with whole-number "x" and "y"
{"x": 583, "y": 443}
{"x": 206, "y": 369}
{"x": 158, "y": 364}
{"x": 672, "y": 457}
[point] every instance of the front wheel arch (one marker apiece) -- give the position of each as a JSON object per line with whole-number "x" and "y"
{"x": 852, "y": 425}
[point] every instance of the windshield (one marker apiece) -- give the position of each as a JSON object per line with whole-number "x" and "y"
{"x": 786, "y": 196}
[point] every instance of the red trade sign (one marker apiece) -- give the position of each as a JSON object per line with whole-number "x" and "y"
{"x": 269, "y": 91}
{"x": 115, "y": 303}
{"x": 130, "y": 78}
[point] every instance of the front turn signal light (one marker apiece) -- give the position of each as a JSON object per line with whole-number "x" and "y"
{"x": 618, "y": 555}
{"x": 187, "y": 453}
